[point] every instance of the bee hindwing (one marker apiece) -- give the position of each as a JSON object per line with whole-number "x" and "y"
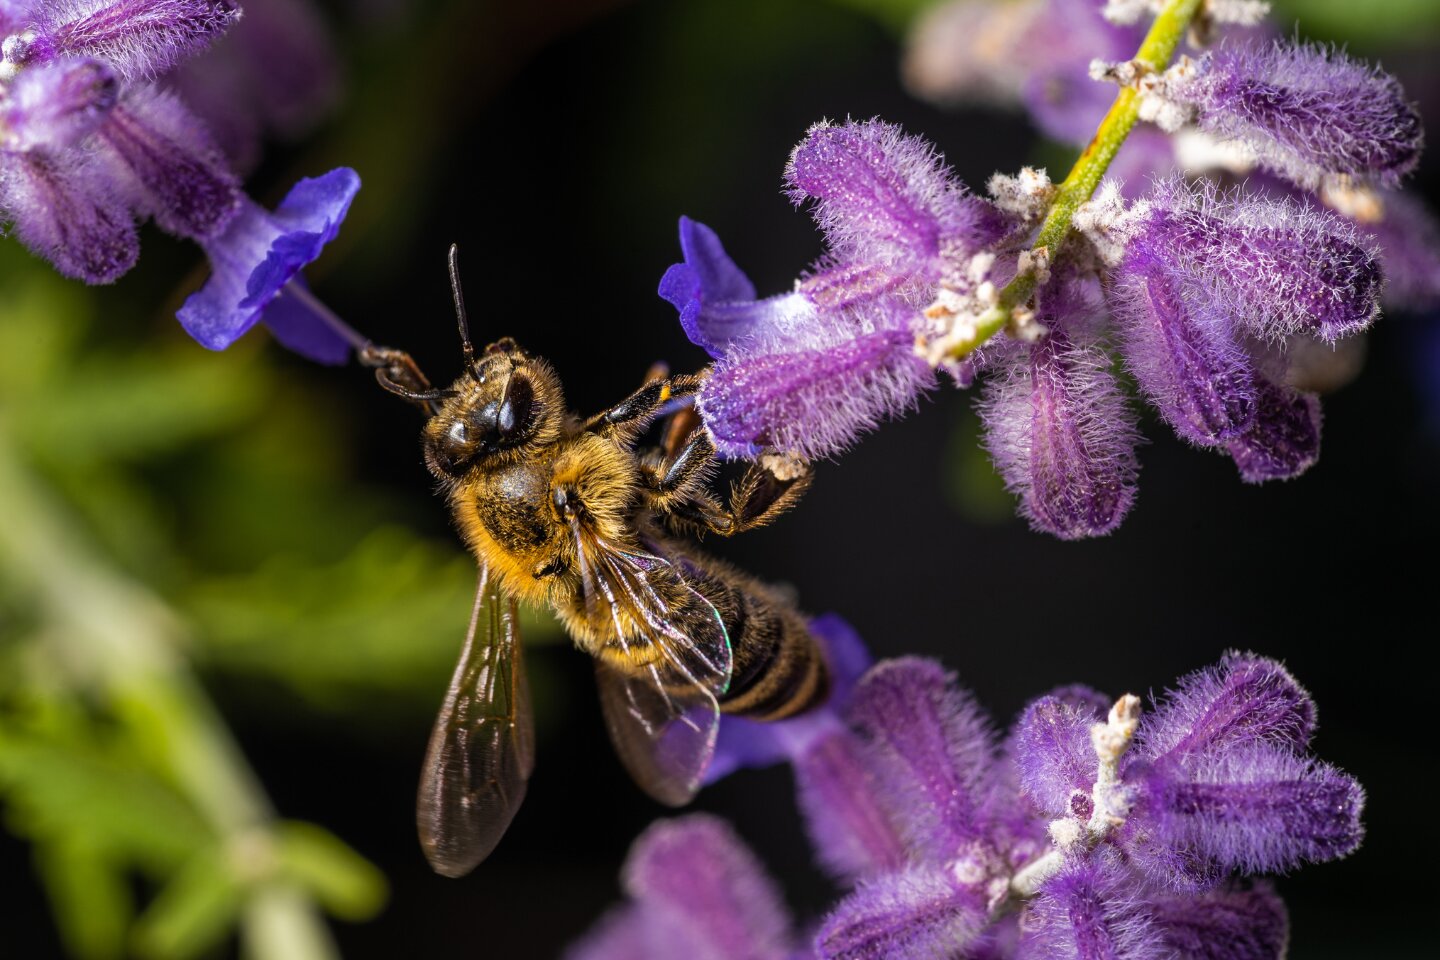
{"x": 482, "y": 748}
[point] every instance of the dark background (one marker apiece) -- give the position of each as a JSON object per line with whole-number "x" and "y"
{"x": 558, "y": 147}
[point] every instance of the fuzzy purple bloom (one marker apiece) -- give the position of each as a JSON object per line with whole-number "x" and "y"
{"x": 260, "y": 252}
{"x": 1242, "y": 701}
{"x": 839, "y": 794}
{"x": 141, "y": 38}
{"x": 696, "y": 891}
{"x": 918, "y": 912}
{"x": 1257, "y": 809}
{"x": 930, "y": 745}
{"x": 1180, "y": 343}
{"x": 1053, "y": 756}
{"x": 180, "y": 178}
{"x": 1058, "y": 427}
{"x": 70, "y": 210}
{"x": 56, "y": 105}
{"x": 1408, "y": 238}
{"x": 1306, "y": 111}
{"x": 1090, "y": 910}
{"x": 1059, "y": 94}
{"x": 809, "y": 371}
{"x": 1280, "y": 267}
{"x": 1284, "y": 440}
{"x": 1239, "y": 924}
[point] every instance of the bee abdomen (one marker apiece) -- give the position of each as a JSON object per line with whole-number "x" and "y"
{"x": 778, "y": 670}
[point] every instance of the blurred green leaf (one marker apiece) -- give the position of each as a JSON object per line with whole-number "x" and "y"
{"x": 192, "y": 913}
{"x": 1378, "y": 23}
{"x": 90, "y": 896}
{"x": 79, "y": 783}
{"x": 895, "y": 14}
{"x": 972, "y": 486}
{"x": 389, "y": 616}
{"x": 344, "y": 882}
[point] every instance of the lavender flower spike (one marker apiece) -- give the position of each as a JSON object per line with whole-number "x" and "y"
{"x": 1307, "y": 112}
{"x": 259, "y": 253}
{"x": 69, "y": 210}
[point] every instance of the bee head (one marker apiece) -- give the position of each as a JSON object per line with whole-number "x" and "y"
{"x": 505, "y": 403}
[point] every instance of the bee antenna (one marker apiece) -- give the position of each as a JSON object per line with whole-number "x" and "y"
{"x": 466, "y": 347}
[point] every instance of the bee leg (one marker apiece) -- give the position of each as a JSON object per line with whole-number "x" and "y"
{"x": 631, "y": 415}
{"x": 397, "y": 372}
{"x": 772, "y": 485}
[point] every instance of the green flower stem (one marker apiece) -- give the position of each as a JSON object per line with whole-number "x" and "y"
{"x": 116, "y": 637}
{"x": 1155, "y": 52}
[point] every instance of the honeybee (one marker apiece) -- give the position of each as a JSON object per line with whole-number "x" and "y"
{"x": 568, "y": 512}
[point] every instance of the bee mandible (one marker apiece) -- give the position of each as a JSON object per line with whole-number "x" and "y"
{"x": 570, "y": 512}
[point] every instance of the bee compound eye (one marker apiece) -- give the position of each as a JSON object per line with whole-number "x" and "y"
{"x": 458, "y": 433}
{"x": 514, "y": 413}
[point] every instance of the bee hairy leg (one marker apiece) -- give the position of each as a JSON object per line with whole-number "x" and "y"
{"x": 769, "y": 487}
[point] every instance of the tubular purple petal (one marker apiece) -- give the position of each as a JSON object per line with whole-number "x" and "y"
{"x": 299, "y": 329}
{"x": 1257, "y": 809}
{"x": 57, "y": 104}
{"x": 1241, "y": 701}
{"x": 1306, "y": 111}
{"x": 259, "y": 252}
{"x": 68, "y": 209}
{"x": 885, "y": 198}
{"x": 1233, "y": 924}
{"x": 931, "y": 746}
{"x": 1180, "y": 343}
{"x": 183, "y": 181}
{"x": 1053, "y": 755}
{"x": 918, "y": 913}
{"x": 853, "y": 835}
{"x": 706, "y": 886}
{"x": 1284, "y": 440}
{"x": 1280, "y": 267}
{"x": 141, "y": 38}
{"x": 1091, "y": 910}
{"x": 625, "y": 933}
{"x": 1062, "y": 436}
{"x": 816, "y": 401}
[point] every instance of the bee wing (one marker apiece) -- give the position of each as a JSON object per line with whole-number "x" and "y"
{"x": 482, "y": 748}
{"x": 662, "y": 717}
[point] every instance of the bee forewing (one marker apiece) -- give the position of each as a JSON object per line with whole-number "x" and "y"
{"x": 482, "y": 748}
{"x": 663, "y": 729}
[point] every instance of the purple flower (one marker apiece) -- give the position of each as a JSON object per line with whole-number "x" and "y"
{"x": 1180, "y": 342}
{"x": 180, "y": 179}
{"x": 1057, "y": 425}
{"x": 1409, "y": 247}
{"x": 1281, "y": 267}
{"x": 1284, "y": 439}
{"x": 696, "y": 892}
{"x": 56, "y": 105}
{"x": 1307, "y": 112}
{"x": 260, "y": 253}
{"x": 140, "y": 38}
{"x": 1090, "y": 910}
{"x": 70, "y": 209}
{"x": 1098, "y": 833}
{"x": 1062, "y": 99}
{"x": 811, "y": 370}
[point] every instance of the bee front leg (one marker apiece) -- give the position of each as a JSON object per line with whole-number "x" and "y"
{"x": 633, "y": 414}
{"x": 398, "y": 373}
{"x": 769, "y": 487}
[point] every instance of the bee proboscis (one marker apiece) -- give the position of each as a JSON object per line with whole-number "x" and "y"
{"x": 569, "y": 512}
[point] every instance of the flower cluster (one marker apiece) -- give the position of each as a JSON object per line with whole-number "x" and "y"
{"x": 1227, "y": 305}
{"x": 1092, "y": 831}
{"x": 90, "y": 144}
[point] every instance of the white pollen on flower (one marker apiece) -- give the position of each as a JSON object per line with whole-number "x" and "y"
{"x": 1067, "y": 834}
{"x": 1125, "y": 12}
{"x": 968, "y": 870}
{"x": 1123, "y": 72}
{"x": 1104, "y": 221}
{"x": 1246, "y": 13}
{"x": 1027, "y": 194}
{"x": 1024, "y": 327}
